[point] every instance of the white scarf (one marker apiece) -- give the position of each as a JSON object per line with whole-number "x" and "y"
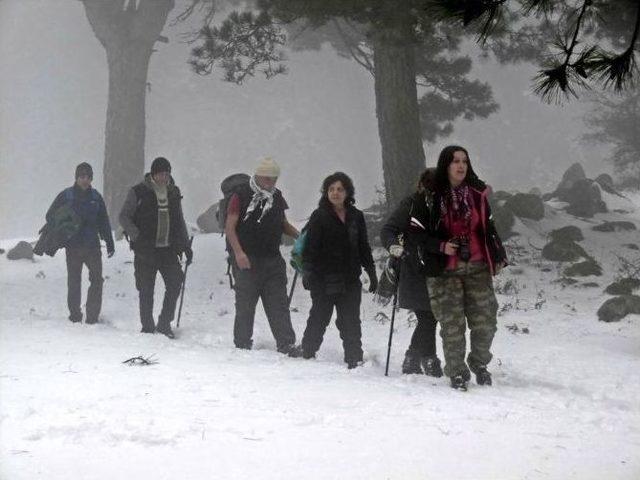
{"x": 260, "y": 196}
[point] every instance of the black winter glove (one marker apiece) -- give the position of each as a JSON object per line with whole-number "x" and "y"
{"x": 307, "y": 280}
{"x": 188, "y": 253}
{"x": 373, "y": 280}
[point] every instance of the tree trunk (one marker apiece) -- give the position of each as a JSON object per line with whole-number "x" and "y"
{"x": 397, "y": 110}
{"x": 128, "y": 30}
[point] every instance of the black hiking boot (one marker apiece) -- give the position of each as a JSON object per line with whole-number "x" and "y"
{"x": 431, "y": 366}
{"x": 411, "y": 363}
{"x": 483, "y": 377}
{"x": 351, "y": 364}
{"x": 291, "y": 350}
{"x": 459, "y": 383}
{"x": 91, "y": 321}
{"x": 75, "y": 318}
{"x": 166, "y": 331}
{"x": 148, "y": 329}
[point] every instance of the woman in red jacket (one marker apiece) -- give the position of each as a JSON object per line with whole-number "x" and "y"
{"x": 462, "y": 294}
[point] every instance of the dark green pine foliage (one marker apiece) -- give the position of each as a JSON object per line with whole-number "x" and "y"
{"x": 420, "y": 78}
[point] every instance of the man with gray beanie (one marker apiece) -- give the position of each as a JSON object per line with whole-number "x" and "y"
{"x": 152, "y": 218}
{"x": 83, "y": 248}
{"x": 255, "y": 222}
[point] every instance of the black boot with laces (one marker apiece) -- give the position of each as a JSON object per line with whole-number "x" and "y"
{"x": 431, "y": 366}
{"x": 459, "y": 383}
{"x": 483, "y": 377}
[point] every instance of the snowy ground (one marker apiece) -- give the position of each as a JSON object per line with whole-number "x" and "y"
{"x": 564, "y": 402}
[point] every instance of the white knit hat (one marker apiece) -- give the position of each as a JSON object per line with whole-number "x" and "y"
{"x": 267, "y": 168}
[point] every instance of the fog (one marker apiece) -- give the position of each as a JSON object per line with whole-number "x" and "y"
{"x": 317, "y": 119}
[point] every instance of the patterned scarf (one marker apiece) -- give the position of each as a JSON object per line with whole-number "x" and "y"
{"x": 261, "y": 197}
{"x": 458, "y": 200}
{"x": 162, "y": 234}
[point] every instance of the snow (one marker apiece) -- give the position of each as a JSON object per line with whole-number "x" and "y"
{"x": 563, "y": 405}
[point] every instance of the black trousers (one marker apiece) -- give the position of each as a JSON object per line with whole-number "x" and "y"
{"x": 265, "y": 280}
{"x": 147, "y": 264}
{"x": 76, "y": 258}
{"x": 423, "y": 340}
{"x": 347, "y": 306}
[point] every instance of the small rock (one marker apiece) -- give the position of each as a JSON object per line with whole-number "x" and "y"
{"x": 615, "y": 309}
{"x": 624, "y": 286}
{"x": 619, "y": 226}
{"x": 22, "y": 250}
{"x": 631, "y": 246}
{"x": 563, "y": 251}
{"x": 584, "y": 269}
{"x": 568, "y": 233}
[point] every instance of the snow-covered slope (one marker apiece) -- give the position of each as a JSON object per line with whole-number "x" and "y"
{"x": 564, "y": 402}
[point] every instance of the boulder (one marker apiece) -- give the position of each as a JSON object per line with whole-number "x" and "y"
{"x": 618, "y": 226}
{"x": 570, "y": 233}
{"x": 23, "y": 250}
{"x": 504, "y": 220}
{"x": 535, "y": 191}
{"x": 631, "y": 246}
{"x": 563, "y": 251}
{"x": 584, "y": 199}
{"x": 526, "y": 205}
{"x": 606, "y": 183}
{"x": 499, "y": 196}
{"x": 584, "y": 269}
{"x": 207, "y": 221}
{"x": 624, "y": 286}
{"x": 573, "y": 174}
{"x": 616, "y": 308}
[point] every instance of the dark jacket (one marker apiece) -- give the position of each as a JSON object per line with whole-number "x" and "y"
{"x": 494, "y": 250}
{"x": 92, "y": 214}
{"x": 412, "y": 287}
{"x": 335, "y": 252}
{"x": 139, "y": 217}
{"x": 260, "y": 239}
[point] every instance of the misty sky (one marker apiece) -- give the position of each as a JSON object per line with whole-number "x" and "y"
{"x": 317, "y": 119}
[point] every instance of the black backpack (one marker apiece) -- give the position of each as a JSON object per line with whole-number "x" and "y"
{"x": 229, "y": 186}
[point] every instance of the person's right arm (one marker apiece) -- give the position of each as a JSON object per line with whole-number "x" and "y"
{"x": 126, "y": 215}
{"x": 395, "y": 225}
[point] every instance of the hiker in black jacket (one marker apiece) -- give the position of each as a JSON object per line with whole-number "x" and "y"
{"x": 83, "y": 248}
{"x": 153, "y": 220}
{"x": 403, "y": 235}
{"x": 255, "y": 222}
{"x": 336, "y": 250}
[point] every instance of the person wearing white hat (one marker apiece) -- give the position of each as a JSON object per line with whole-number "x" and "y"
{"x": 255, "y": 223}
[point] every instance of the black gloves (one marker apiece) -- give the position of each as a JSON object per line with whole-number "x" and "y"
{"x": 373, "y": 280}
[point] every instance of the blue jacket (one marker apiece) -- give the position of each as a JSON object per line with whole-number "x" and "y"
{"x": 92, "y": 211}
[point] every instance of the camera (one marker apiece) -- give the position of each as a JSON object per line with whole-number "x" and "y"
{"x": 464, "y": 252}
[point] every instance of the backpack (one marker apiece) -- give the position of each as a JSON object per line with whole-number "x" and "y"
{"x": 297, "y": 251}
{"x": 229, "y": 186}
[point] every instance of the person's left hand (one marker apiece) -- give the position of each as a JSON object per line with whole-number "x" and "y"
{"x": 188, "y": 253}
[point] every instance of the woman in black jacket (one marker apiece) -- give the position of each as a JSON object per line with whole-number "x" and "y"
{"x": 336, "y": 250}
{"x": 403, "y": 236}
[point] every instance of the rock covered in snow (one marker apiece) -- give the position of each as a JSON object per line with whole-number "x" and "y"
{"x": 563, "y": 251}
{"x": 526, "y": 205}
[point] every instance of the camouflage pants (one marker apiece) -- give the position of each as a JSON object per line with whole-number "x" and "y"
{"x": 462, "y": 297}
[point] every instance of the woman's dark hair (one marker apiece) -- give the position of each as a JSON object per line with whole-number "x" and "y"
{"x": 347, "y": 183}
{"x": 427, "y": 180}
{"x": 442, "y": 176}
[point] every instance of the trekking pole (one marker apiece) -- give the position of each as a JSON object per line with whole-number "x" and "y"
{"x": 393, "y": 318}
{"x": 184, "y": 282}
{"x": 293, "y": 286}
